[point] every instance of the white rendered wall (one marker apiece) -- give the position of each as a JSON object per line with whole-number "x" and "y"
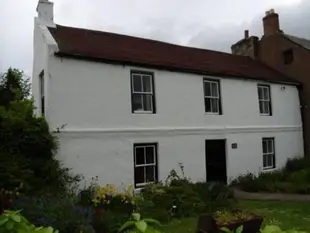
{"x": 93, "y": 100}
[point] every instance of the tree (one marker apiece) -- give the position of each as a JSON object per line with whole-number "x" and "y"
{"x": 14, "y": 86}
{"x": 27, "y": 146}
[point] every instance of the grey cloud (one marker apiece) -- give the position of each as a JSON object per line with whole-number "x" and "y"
{"x": 200, "y": 23}
{"x": 293, "y": 20}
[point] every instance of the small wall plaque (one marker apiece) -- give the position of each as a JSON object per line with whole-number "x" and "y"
{"x": 234, "y": 145}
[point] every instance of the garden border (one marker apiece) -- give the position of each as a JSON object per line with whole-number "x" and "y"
{"x": 239, "y": 194}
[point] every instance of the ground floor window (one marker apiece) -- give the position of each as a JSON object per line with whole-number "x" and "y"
{"x": 269, "y": 156}
{"x": 145, "y": 164}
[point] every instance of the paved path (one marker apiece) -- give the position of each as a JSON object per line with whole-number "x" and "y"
{"x": 270, "y": 196}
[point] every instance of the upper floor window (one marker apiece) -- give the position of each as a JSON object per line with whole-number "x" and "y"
{"x": 41, "y": 93}
{"x": 212, "y": 96}
{"x": 288, "y": 56}
{"x": 264, "y": 100}
{"x": 142, "y": 92}
{"x": 269, "y": 155}
{"x": 145, "y": 163}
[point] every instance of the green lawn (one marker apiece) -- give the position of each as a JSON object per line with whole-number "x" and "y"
{"x": 287, "y": 215}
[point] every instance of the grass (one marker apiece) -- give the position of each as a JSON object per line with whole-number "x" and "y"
{"x": 287, "y": 215}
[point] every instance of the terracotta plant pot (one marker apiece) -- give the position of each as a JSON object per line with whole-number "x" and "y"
{"x": 207, "y": 224}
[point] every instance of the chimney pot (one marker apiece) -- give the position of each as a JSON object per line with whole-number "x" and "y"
{"x": 271, "y": 23}
{"x": 45, "y": 10}
{"x": 246, "y": 34}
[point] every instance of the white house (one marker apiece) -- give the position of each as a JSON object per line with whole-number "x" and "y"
{"x": 134, "y": 108}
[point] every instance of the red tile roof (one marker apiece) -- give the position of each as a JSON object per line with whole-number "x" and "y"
{"x": 110, "y": 47}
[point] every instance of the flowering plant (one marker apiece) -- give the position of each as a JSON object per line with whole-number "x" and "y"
{"x": 108, "y": 197}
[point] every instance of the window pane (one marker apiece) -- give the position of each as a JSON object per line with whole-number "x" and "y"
{"x": 264, "y": 160}
{"x": 214, "y": 89}
{"x": 137, "y": 102}
{"x": 147, "y": 102}
{"x": 139, "y": 175}
{"x": 137, "y": 84}
{"x": 150, "y": 155}
{"x": 261, "y": 107}
{"x": 264, "y": 146}
{"x": 266, "y": 107}
{"x": 215, "y": 105}
{"x": 147, "y": 86}
{"x": 270, "y": 146}
{"x": 269, "y": 159}
{"x": 266, "y": 93}
{"x": 208, "y": 104}
{"x": 140, "y": 158}
{"x": 150, "y": 173}
{"x": 207, "y": 88}
{"x": 260, "y": 93}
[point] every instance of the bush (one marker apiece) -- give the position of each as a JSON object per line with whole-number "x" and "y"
{"x": 214, "y": 195}
{"x": 109, "y": 222}
{"x": 183, "y": 198}
{"x": 296, "y": 164}
{"x": 293, "y": 178}
{"x": 60, "y": 213}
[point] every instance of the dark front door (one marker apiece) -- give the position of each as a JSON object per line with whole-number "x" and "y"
{"x": 216, "y": 160}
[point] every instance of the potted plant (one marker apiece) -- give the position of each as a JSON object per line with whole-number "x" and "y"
{"x": 221, "y": 221}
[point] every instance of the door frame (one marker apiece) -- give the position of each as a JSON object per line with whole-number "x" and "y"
{"x": 226, "y": 156}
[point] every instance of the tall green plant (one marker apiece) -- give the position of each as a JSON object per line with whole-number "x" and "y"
{"x": 27, "y": 148}
{"x": 14, "y": 85}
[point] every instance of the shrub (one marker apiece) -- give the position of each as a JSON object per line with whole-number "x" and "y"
{"x": 60, "y": 213}
{"x": 179, "y": 201}
{"x": 293, "y": 178}
{"x": 149, "y": 210}
{"x": 215, "y": 195}
{"x": 27, "y": 152}
{"x": 296, "y": 164}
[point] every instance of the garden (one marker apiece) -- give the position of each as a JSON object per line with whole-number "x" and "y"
{"x": 39, "y": 194}
{"x": 294, "y": 177}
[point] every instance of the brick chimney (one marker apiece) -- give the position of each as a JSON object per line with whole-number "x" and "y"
{"x": 271, "y": 23}
{"x": 248, "y": 46}
{"x": 45, "y": 10}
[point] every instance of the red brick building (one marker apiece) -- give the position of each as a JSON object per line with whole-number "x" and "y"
{"x": 285, "y": 53}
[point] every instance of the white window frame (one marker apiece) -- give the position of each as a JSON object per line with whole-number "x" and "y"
{"x": 218, "y": 97}
{"x": 269, "y": 152}
{"x": 266, "y": 100}
{"x": 154, "y": 165}
{"x": 142, "y": 93}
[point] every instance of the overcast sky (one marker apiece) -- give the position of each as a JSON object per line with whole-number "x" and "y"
{"x": 212, "y": 24}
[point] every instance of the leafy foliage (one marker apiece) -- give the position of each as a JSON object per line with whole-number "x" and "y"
{"x": 27, "y": 146}
{"x": 136, "y": 225}
{"x": 60, "y": 213}
{"x": 293, "y": 178}
{"x": 276, "y": 229}
{"x": 179, "y": 197}
{"x": 14, "y": 86}
{"x": 14, "y": 222}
